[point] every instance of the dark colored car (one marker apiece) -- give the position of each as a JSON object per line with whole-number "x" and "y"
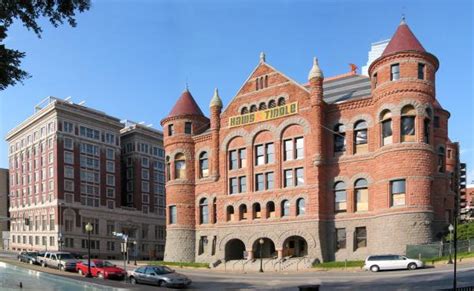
{"x": 101, "y": 269}
{"x": 158, "y": 275}
{"x": 28, "y": 257}
{"x": 77, "y": 256}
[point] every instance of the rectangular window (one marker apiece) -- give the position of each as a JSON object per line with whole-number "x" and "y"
{"x": 394, "y": 72}
{"x": 421, "y": 71}
{"x": 340, "y": 238}
{"x": 299, "y": 147}
{"x": 259, "y": 182}
{"x": 145, "y": 186}
{"x": 299, "y": 173}
{"x": 109, "y": 138}
{"x": 110, "y": 180}
{"x": 68, "y": 185}
{"x": 259, "y": 155}
{"x": 110, "y": 154}
{"x": 145, "y": 162}
{"x": 68, "y": 127}
{"x": 110, "y": 192}
{"x": 408, "y": 128}
{"x": 68, "y": 143}
{"x": 269, "y": 180}
{"x": 68, "y": 172}
{"x": 233, "y": 187}
{"x": 173, "y": 214}
{"x": 288, "y": 174}
{"x": 188, "y": 128}
{"x": 362, "y": 199}
{"x": 89, "y": 133}
{"x": 360, "y": 237}
{"x": 233, "y": 162}
{"x": 110, "y": 166}
{"x": 145, "y": 174}
{"x": 170, "y": 130}
{"x": 243, "y": 184}
{"x": 110, "y": 204}
{"x": 270, "y": 153}
{"x": 242, "y": 158}
{"x": 288, "y": 150}
{"x": 397, "y": 192}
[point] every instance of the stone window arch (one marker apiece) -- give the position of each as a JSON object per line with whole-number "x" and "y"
{"x": 361, "y": 137}
{"x": 386, "y": 127}
{"x": 230, "y": 213}
{"x": 243, "y": 215}
{"x": 361, "y": 195}
{"x": 340, "y": 197}
{"x": 203, "y": 211}
{"x": 256, "y": 211}
{"x": 179, "y": 166}
{"x": 253, "y": 108}
{"x": 272, "y": 104}
{"x": 407, "y": 123}
{"x": 281, "y": 101}
{"x": 285, "y": 208}
{"x": 300, "y": 207}
{"x": 244, "y": 110}
{"x": 270, "y": 207}
{"x": 339, "y": 138}
{"x": 262, "y": 106}
{"x": 203, "y": 165}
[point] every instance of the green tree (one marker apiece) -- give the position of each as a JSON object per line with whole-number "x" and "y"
{"x": 28, "y": 12}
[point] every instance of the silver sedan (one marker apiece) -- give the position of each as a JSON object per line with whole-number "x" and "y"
{"x": 158, "y": 275}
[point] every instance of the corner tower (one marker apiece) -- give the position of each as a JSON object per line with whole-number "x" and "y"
{"x": 183, "y": 122}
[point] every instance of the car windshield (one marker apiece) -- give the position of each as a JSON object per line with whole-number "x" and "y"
{"x": 65, "y": 257}
{"x": 103, "y": 264}
{"x": 163, "y": 270}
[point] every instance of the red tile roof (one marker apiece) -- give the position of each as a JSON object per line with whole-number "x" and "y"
{"x": 403, "y": 40}
{"x": 186, "y": 105}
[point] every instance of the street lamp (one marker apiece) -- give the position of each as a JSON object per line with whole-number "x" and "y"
{"x": 261, "y": 241}
{"x": 451, "y": 229}
{"x": 89, "y": 229}
{"x": 135, "y": 252}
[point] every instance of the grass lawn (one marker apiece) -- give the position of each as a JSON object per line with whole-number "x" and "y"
{"x": 339, "y": 265}
{"x": 446, "y": 258}
{"x": 180, "y": 264}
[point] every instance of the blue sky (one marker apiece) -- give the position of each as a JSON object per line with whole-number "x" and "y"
{"x": 132, "y": 59}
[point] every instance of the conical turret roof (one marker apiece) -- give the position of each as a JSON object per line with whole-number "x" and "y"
{"x": 403, "y": 40}
{"x": 186, "y": 105}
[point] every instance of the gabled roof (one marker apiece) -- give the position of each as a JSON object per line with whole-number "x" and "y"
{"x": 186, "y": 105}
{"x": 403, "y": 40}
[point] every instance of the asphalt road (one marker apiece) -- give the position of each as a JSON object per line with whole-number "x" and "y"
{"x": 425, "y": 279}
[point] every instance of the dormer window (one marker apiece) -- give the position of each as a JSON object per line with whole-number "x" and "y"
{"x": 394, "y": 72}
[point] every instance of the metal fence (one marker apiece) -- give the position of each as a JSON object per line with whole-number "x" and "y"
{"x": 429, "y": 251}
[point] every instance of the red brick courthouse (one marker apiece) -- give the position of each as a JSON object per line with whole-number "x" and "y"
{"x": 334, "y": 169}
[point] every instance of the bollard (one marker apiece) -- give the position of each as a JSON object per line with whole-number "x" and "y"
{"x": 308, "y": 288}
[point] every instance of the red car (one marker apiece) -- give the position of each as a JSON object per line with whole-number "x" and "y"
{"x": 101, "y": 269}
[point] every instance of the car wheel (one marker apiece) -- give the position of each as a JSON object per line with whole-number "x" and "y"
{"x": 19, "y": 259}
{"x": 374, "y": 268}
{"x": 62, "y": 268}
{"x": 43, "y": 264}
{"x": 80, "y": 272}
{"x": 31, "y": 262}
{"x": 412, "y": 266}
{"x": 160, "y": 283}
{"x": 133, "y": 281}
{"x": 100, "y": 275}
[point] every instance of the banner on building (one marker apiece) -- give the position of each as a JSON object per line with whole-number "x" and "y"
{"x": 264, "y": 115}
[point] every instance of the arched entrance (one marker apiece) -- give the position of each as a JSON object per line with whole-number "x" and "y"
{"x": 234, "y": 250}
{"x": 295, "y": 246}
{"x": 267, "y": 249}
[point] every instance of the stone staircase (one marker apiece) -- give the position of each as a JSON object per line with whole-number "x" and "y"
{"x": 268, "y": 265}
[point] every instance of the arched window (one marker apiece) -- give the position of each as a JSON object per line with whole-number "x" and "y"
{"x": 203, "y": 211}
{"x": 244, "y": 110}
{"x": 203, "y": 165}
{"x": 407, "y": 126}
{"x": 179, "y": 166}
{"x": 360, "y": 137}
{"x": 271, "y": 104}
{"x": 285, "y": 208}
{"x": 340, "y": 197}
{"x": 257, "y": 84}
{"x": 266, "y": 81}
{"x": 386, "y": 121}
{"x": 243, "y": 212}
{"x": 230, "y": 213}
{"x": 256, "y": 211}
{"x": 300, "y": 207}
{"x": 361, "y": 195}
{"x": 261, "y": 83}
{"x": 253, "y": 108}
{"x": 270, "y": 209}
{"x": 281, "y": 101}
{"x": 262, "y": 106}
{"x": 339, "y": 138}
{"x": 214, "y": 210}
{"x": 441, "y": 160}
{"x": 168, "y": 168}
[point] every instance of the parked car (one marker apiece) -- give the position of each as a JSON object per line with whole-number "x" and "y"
{"x": 391, "y": 262}
{"x": 158, "y": 275}
{"x": 101, "y": 269}
{"x": 28, "y": 257}
{"x": 61, "y": 260}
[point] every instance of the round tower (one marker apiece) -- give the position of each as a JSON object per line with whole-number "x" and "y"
{"x": 183, "y": 122}
{"x": 403, "y": 91}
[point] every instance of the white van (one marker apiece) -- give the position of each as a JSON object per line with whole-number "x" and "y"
{"x": 391, "y": 262}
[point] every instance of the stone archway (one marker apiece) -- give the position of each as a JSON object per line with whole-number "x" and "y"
{"x": 295, "y": 246}
{"x": 267, "y": 249}
{"x": 234, "y": 250}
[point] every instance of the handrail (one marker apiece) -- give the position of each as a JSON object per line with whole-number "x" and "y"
{"x": 299, "y": 261}
{"x": 233, "y": 266}
{"x": 244, "y": 263}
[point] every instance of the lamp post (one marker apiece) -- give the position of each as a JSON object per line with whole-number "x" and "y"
{"x": 89, "y": 229}
{"x": 261, "y": 241}
{"x": 135, "y": 252}
{"x": 450, "y": 228}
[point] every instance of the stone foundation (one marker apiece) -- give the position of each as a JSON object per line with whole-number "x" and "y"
{"x": 180, "y": 245}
